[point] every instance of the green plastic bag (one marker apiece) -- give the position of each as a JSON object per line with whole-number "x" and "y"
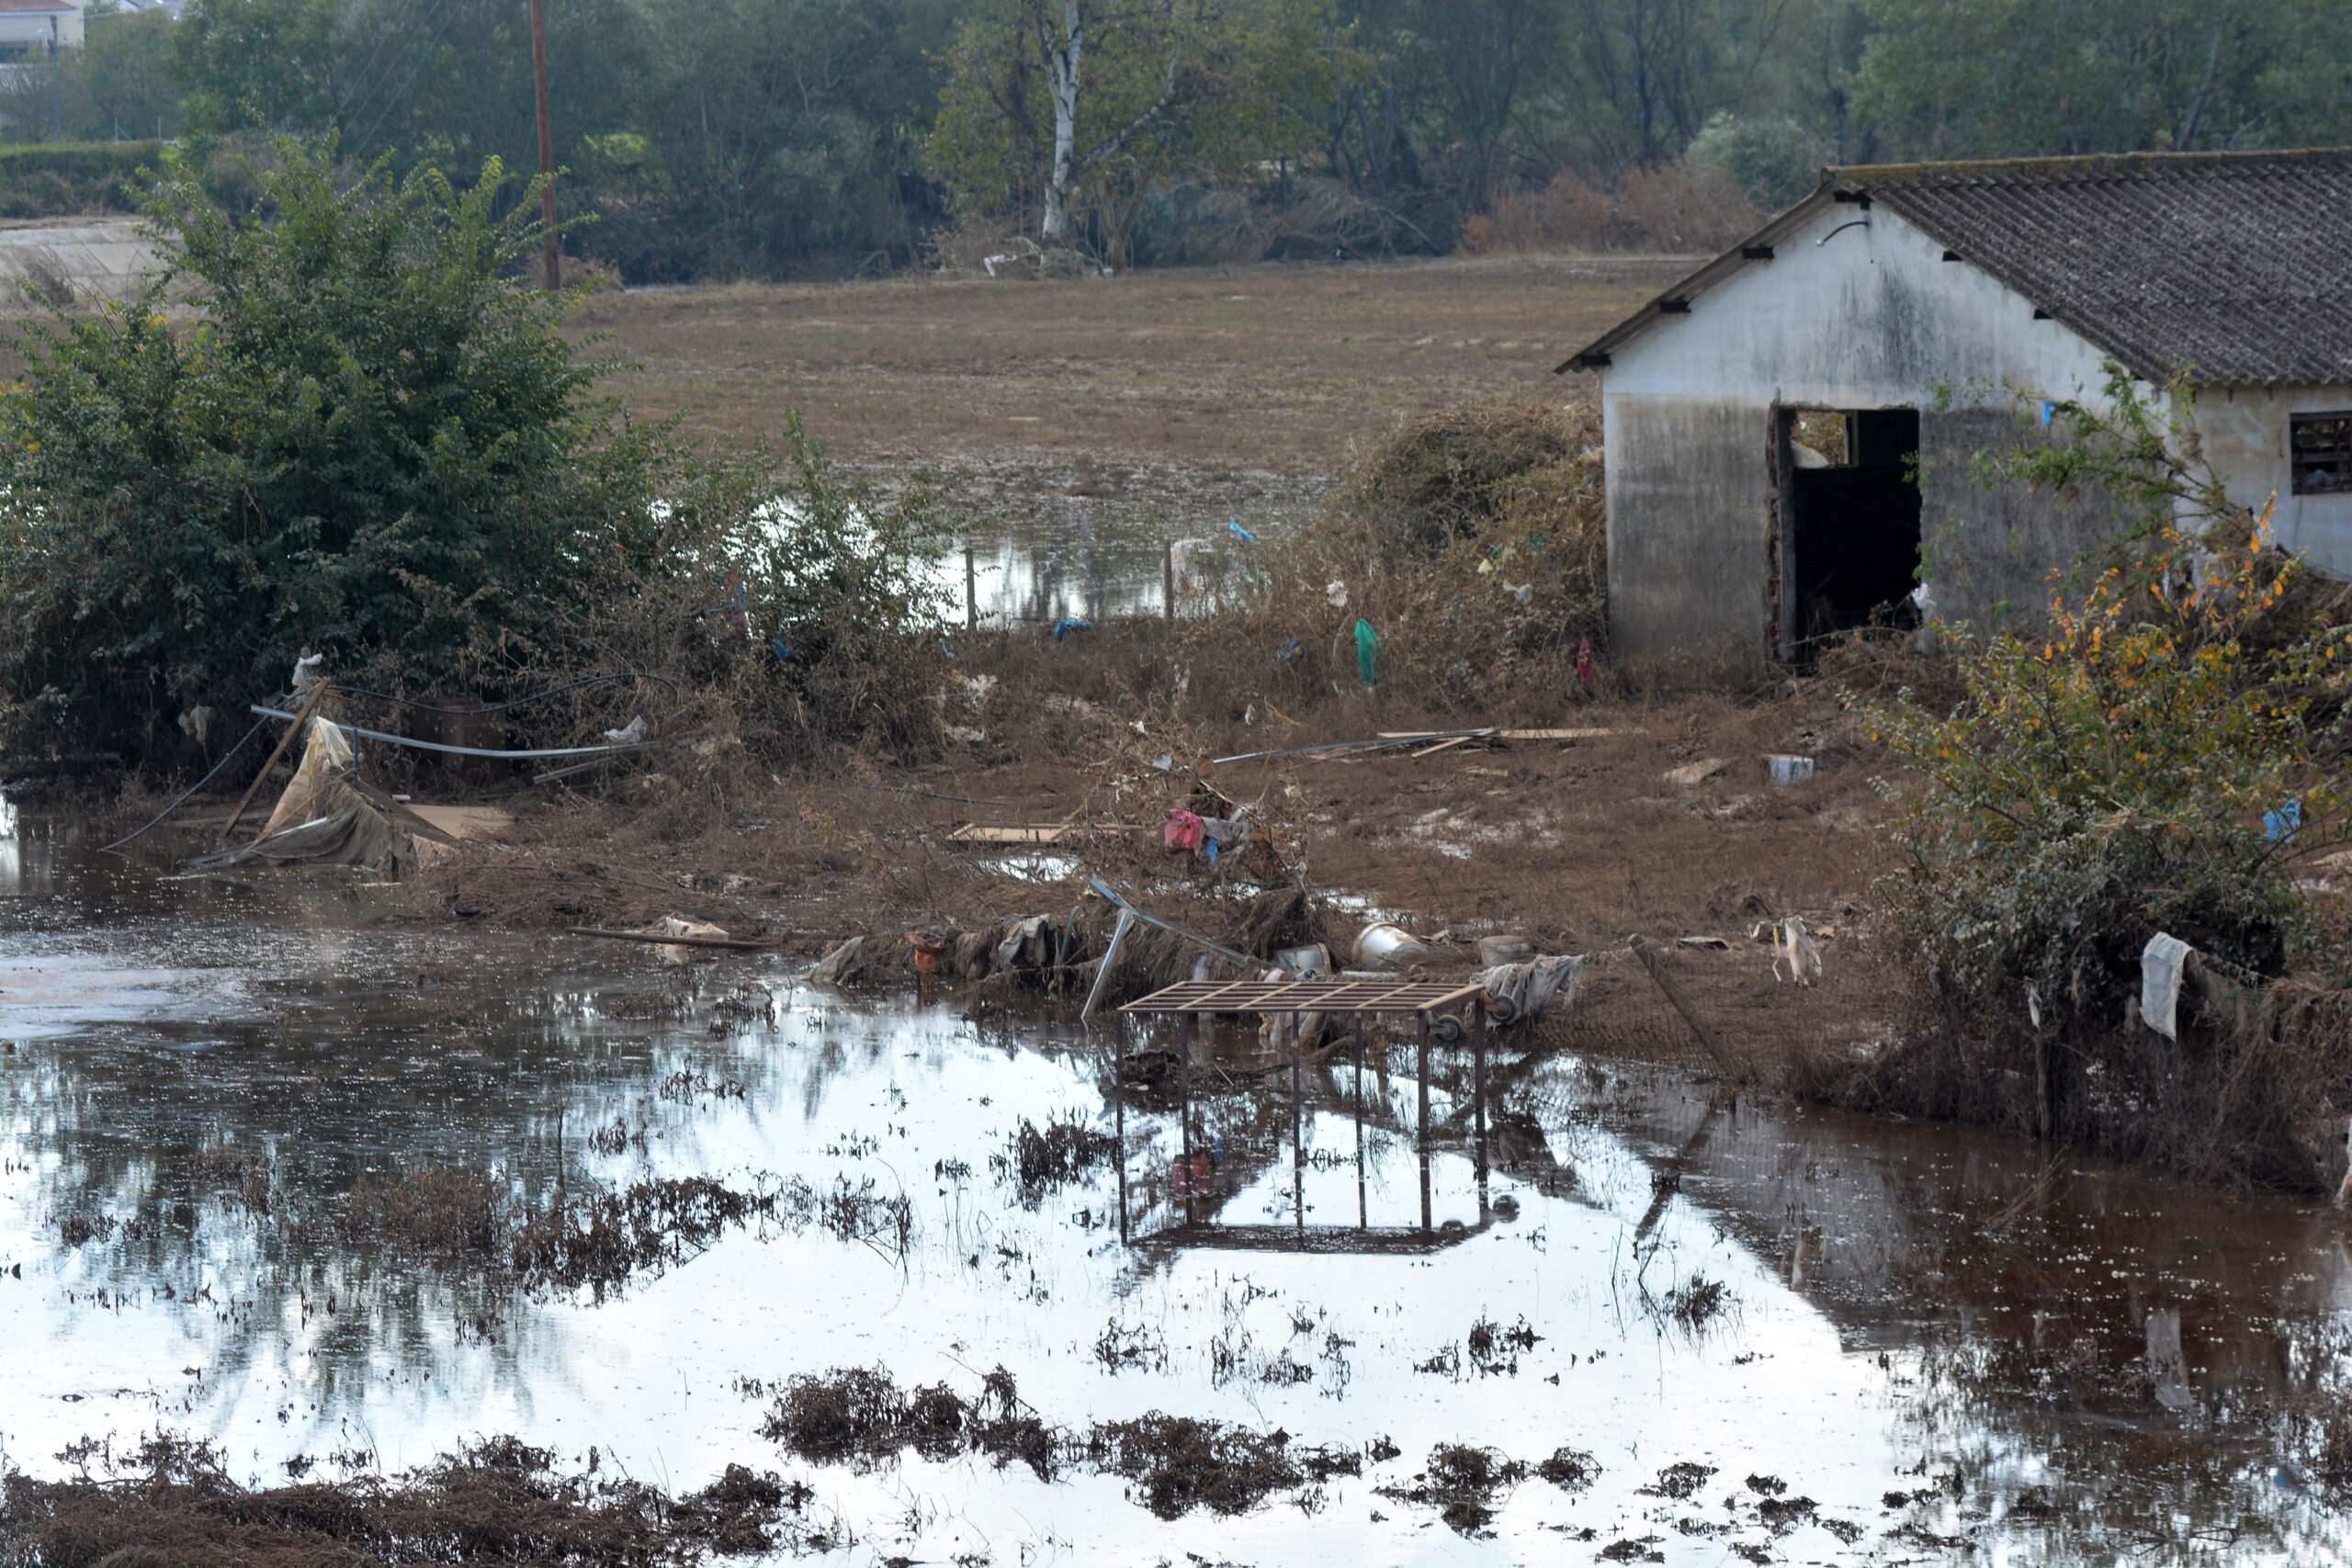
{"x": 1367, "y": 643}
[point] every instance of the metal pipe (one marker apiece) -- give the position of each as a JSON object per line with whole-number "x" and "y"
{"x": 1421, "y": 1085}
{"x": 1298, "y": 1142}
{"x": 1119, "y": 1114}
{"x": 1478, "y": 1078}
{"x": 1184, "y": 1110}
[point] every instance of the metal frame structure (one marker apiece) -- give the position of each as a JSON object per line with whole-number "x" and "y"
{"x": 1361, "y": 999}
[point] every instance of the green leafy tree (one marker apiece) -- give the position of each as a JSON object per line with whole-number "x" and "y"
{"x": 1999, "y": 78}
{"x": 118, "y": 83}
{"x": 239, "y": 63}
{"x": 788, "y": 127}
{"x": 371, "y": 443}
{"x": 1047, "y": 101}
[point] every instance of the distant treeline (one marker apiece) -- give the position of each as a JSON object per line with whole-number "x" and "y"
{"x": 764, "y": 138}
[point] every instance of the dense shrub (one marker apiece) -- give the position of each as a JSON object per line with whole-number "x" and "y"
{"x": 372, "y": 440}
{"x": 2158, "y": 758}
{"x": 63, "y": 179}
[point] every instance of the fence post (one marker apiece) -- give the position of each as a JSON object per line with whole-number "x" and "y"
{"x": 1168, "y": 580}
{"x": 971, "y": 595}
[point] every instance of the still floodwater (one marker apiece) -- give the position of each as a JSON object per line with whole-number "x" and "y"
{"x": 1946, "y": 1349}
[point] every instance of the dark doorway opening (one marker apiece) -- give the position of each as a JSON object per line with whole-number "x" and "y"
{"x": 1853, "y": 494}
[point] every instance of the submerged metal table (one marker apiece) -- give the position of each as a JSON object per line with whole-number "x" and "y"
{"x": 1359, "y": 999}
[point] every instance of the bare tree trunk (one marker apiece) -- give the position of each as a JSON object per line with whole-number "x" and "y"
{"x": 1064, "y": 53}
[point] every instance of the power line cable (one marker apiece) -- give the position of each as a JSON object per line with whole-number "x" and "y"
{"x": 424, "y": 54}
{"x": 360, "y": 76}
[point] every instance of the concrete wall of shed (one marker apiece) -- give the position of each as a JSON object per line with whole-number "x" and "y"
{"x": 1843, "y": 318}
{"x": 2245, "y": 432}
{"x": 1692, "y": 479}
{"x": 1993, "y": 554}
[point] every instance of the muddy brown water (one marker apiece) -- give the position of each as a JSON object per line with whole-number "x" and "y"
{"x": 1954, "y": 1349}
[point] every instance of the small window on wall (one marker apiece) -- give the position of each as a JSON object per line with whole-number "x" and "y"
{"x": 1821, "y": 438}
{"x": 2321, "y": 447}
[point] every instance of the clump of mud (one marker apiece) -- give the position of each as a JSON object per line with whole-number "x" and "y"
{"x": 172, "y": 1500}
{"x": 1462, "y": 1482}
{"x": 858, "y": 1416}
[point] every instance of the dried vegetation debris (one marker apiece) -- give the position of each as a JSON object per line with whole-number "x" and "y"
{"x": 1463, "y": 1482}
{"x": 1038, "y": 1160}
{"x": 171, "y": 1501}
{"x": 860, "y": 1416}
{"x": 600, "y": 1241}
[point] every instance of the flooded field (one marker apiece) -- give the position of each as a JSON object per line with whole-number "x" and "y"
{"x": 277, "y": 1173}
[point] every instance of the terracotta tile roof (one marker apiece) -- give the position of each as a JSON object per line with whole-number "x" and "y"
{"x": 2236, "y": 264}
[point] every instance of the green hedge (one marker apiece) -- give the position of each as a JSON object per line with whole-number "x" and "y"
{"x": 62, "y": 178}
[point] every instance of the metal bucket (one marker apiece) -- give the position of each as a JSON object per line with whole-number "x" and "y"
{"x": 1500, "y": 950}
{"x": 1386, "y": 945}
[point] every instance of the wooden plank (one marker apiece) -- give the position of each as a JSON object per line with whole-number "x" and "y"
{"x": 1035, "y": 832}
{"x": 1441, "y": 746}
{"x": 741, "y": 944}
{"x": 1029, "y": 834}
{"x": 1364, "y": 1240}
{"x": 1558, "y": 734}
{"x": 1304, "y": 996}
{"x": 465, "y": 821}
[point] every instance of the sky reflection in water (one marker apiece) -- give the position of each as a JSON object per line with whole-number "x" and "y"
{"x": 1888, "y": 1303}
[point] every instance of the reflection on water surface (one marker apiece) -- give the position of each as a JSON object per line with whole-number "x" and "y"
{"x": 1918, "y": 1343}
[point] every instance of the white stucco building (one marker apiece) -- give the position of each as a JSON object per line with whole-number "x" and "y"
{"x": 1762, "y": 416}
{"x": 30, "y": 28}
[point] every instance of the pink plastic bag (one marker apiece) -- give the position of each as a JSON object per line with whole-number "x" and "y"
{"x": 1183, "y": 833}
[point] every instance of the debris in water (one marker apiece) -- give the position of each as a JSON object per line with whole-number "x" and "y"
{"x": 499, "y": 1499}
{"x": 1041, "y": 1159}
{"x": 1696, "y": 1303}
{"x": 1462, "y": 1481}
{"x": 1678, "y": 1480}
{"x": 1494, "y": 1349}
{"x": 1570, "y": 1470}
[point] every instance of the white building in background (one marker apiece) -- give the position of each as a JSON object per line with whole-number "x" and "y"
{"x": 29, "y": 29}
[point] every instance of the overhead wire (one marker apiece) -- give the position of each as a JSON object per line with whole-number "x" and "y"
{"x": 359, "y": 77}
{"x": 393, "y": 102}
{"x": 408, "y": 41}
{"x": 517, "y": 703}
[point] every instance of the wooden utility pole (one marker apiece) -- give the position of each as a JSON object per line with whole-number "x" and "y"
{"x": 553, "y": 261}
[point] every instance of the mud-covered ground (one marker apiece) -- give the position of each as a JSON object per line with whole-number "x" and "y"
{"x": 1576, "y": 844}
{"x": 1174, "y": 394}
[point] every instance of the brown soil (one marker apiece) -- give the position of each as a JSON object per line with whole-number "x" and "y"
{"x": 1200, "y": 389}
{"x": 1578, "y": 844}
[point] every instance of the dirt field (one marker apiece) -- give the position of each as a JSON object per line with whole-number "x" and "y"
{"x": 1215, "y": 386}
